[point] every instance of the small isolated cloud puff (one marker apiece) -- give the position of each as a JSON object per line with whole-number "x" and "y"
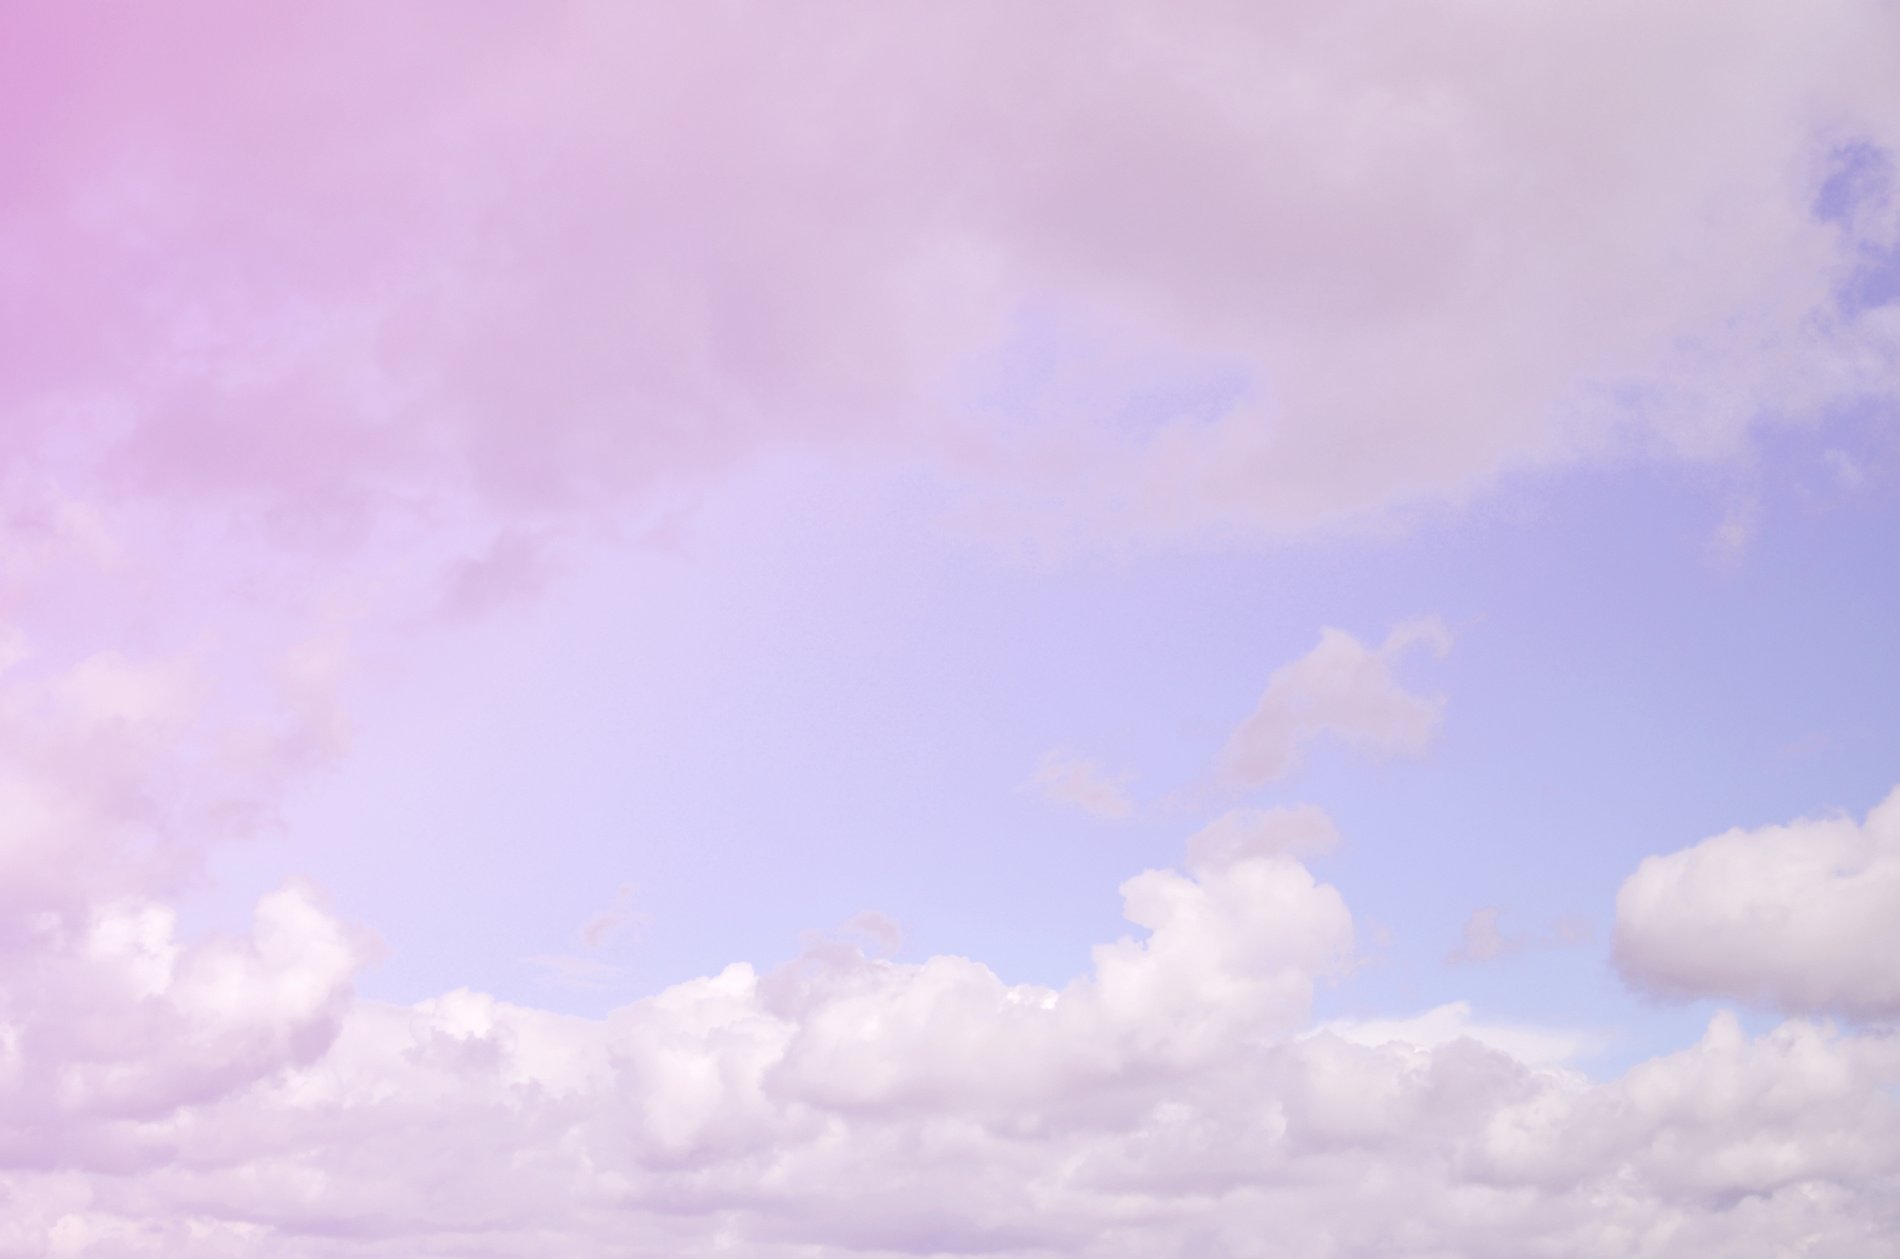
{"x": 1803, "y": 917}
{"x": 1082, "y": 783}
{"x": 1485, "y": 940}
{"x": 1341, "y": 688}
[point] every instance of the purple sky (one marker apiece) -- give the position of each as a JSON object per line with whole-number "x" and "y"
{"x": 1052, "y": 631}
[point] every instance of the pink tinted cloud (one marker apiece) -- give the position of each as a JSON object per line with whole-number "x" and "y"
{"x": 120, "y": 771}
{"x": 1484, "y": 938}
{"x": 1341, "y": 689}
{"x": 370, "y": 258}
{"x": 1082, "y": 783}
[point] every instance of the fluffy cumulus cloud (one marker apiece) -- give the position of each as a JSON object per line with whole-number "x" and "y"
{"x": 1342, "y": 689}
{"x": 111, "y": 1025}
{"x": 1175, "y": 1099}
{"x": 118, "y": 774}
{"x": 1799, "y": 917}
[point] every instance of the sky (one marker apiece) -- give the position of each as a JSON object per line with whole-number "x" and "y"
{"x": 1052, "y": 632}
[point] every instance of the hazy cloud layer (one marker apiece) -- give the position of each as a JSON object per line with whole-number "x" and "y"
{"x": 370, "y": 262}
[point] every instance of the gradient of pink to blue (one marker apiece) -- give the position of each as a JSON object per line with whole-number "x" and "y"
{"x": 1049, "y": 631}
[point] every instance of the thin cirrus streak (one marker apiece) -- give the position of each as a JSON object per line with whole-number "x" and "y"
{"x": 343, "y": 347}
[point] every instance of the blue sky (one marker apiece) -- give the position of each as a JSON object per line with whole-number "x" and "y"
{"x": 820, "y": 700}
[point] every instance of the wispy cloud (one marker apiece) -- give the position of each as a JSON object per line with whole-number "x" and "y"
{"x": 1341, "y": 689}
{"x": 1082, "y": 783}
{"x": 1484, "y": 938}
{"x": 587, "y": 969}
{"x": 573, "y": 970}
{"x": 609, "y": 922}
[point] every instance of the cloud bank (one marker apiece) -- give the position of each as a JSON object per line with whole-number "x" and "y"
{"x": 1175, "y": 1098}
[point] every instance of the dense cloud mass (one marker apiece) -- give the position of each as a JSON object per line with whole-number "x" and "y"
{"x": 1174, "y": 1100}
{"x": 325, "y": 331}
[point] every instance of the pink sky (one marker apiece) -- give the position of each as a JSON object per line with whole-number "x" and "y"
{"x": 590, "y": 592}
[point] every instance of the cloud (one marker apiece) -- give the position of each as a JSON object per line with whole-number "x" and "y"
{"x": 1082, "y": 783}
{"x": 1453, "y": 1021}
{"x": 609, "y": 922}
{"x": 114, "y": 1028}
{"x": 1790, "y": 917}
{"x": 1343, "y": 689}
{"x": 532, "y": 271}
{"x": 553, "y": 260}
{"x": 586, "y": 969}
{"x": 573, "y": 970}
{"x": 1301, "y": 832}
{"x": 1174, "y": 1098}
{"x": 515, "y": 566}
{"x": 118, "y": 772}
{"x": 1484, "y": 939}
{"x": 881, "y": 933}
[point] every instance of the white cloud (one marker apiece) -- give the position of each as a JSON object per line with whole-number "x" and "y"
{"x": 1342, "y": 689}
{"x": 1442, "y": 1025}
{"x": 1174, "y": 1099}
{"x": 1082, "y": 783}
{"x": 1803, "y": 917}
